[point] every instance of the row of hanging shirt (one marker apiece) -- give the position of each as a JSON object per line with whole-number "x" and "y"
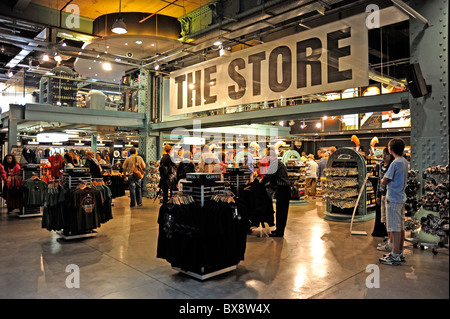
{"x": 78, "y": 210}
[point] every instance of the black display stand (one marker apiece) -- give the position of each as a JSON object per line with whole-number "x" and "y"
{"x": 201, "y": 186}
{"x": 351, "y": 166}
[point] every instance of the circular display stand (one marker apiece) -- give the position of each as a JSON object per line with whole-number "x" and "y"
{"x": 348, "y": 218}
{"x": 300, "y": 202}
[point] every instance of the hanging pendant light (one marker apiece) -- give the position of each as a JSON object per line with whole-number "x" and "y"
{"x": 119, "y": 25}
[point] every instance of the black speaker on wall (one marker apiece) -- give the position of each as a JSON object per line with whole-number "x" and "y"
{"x": 416, "y": 82}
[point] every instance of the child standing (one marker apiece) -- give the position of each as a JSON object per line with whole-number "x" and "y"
{"x": 395, "y": 180}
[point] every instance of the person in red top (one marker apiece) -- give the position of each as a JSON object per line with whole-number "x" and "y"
{"x": 57, "y": 161}
{"x": 3, "y": 176}
{"x": 13, "y": 181}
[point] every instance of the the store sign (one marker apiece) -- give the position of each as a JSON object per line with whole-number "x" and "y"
{"x": 328, "y": 58}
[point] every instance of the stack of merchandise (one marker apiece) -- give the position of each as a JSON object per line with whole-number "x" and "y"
{"x": 412, "y": 188}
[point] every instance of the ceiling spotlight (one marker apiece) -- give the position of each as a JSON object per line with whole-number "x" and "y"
{"x": 10, "y": 74}
{"x": 138, "y": 42}
{"x": 291, "y": 122}
{"x": 325, "y": 118}
{"x": 318, "y": 125}
{"x": 107, "y": 66}
{"x": 303, "y": 125}
{"x": 64, "y": 44}
{"x": 118, "y": 59}
{"x": 218, "y": 43}
{"x": 58, "y": 58}
{"x": 45, "y": 57}
{"x": 157, "y": 67}
{"x": 119, "y": 27}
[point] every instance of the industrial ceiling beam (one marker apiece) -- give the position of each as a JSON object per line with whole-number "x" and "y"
{"x": 383, "y": 102}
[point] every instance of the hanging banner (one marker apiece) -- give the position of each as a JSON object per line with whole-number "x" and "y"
{"x": 328, "y": 58}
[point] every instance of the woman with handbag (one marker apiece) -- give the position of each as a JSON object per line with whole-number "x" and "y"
{"x": 133, "y": 171}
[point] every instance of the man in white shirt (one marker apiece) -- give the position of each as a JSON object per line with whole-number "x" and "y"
{"x": 311, "y": 177}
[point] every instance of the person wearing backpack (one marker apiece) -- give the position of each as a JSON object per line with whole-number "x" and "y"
{"x": 166, "y": 171}
{"x": 133, "y": 169}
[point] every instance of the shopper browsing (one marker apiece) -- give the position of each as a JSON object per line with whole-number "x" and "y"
{"x": 311, "y": 177}
{"x": 167, "y": 169}
{"x": 277, "y": 178}
{"x": 68, "y": 161}
{"x": 100, "y": 160}
{"x": 11, "y": 187}
{"x": 322, "y": 165}
{"x": 94, "y": 166}
{"x": 381, "y": 196}
{"x": 185, "y": 166}
{"x": 207, "y": 160}
{"x": 396, "y": 179}
{"x": 134, "y": 183}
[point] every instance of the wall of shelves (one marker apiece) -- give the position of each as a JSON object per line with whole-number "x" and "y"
{"x": 59, "y": 89}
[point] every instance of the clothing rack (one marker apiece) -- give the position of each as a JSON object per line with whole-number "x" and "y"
{"x": 237, "y": 177}
{"x": 30, "y": 171}
{"x": 88, "y": 233}
{"x": 72, "y": 177}
{"x": 202, "y": 185}
{"x": 178, "y": 228}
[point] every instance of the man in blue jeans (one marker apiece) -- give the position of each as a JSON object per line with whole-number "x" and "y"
{"x": 134, "y": 183}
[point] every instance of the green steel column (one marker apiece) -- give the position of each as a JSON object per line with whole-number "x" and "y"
{"x": 429, "y": 114}
{"x": 94, "y": 143}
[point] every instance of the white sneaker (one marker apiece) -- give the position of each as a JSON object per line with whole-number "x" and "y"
{"x": 385, "y": 247}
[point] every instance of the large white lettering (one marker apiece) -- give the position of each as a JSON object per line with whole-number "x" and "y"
{"x": 330, "y": 57}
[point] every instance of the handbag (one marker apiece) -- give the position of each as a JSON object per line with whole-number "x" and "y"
{"x": 138, "y": 171}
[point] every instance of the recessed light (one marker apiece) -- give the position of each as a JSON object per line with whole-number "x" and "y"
{"x": 118, "y": 59}
{"x": 107, "y": 66}
{"x": 138, "y": 42}
{"x": 126, "y": 43}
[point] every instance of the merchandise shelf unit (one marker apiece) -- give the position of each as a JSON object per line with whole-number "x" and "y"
{"x": 60, "y": 88}
{"x": 346, "y": 172}
{"x": 296, "y": 172}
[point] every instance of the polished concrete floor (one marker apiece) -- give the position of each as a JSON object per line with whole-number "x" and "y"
{"x": 316, "y": 259}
